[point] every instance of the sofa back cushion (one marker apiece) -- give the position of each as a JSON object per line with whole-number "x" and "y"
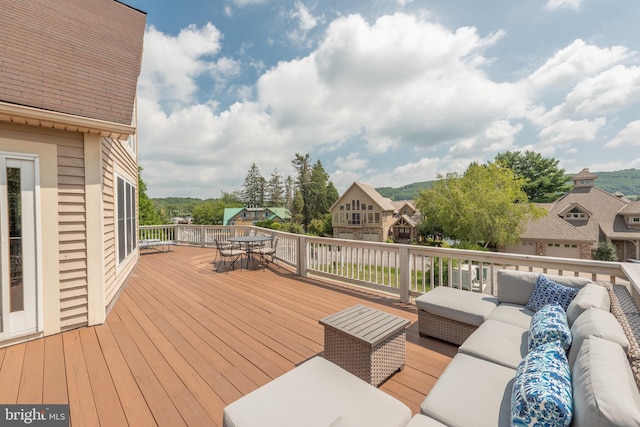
{"x": 599, "y": 323}
{"x": 590, "y": 295}
{"x": 515, "y": 287}
{"x": 604, "y": 391}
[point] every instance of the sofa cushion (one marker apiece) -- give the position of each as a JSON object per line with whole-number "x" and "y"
{"x": 515, "y": 287}
{"x": 467, "y": 307}
{"x": 542, "y": 388}
{"x": 513, "y": 314}
{"x": 420, "y": 420}
{"x": 316, "y": 393}
{"x": 547, "y": 291}
{"x": 471, "y": 392}
{"x": 497, "y": 342}
{"x": 599, "y": 323}
{"x": 590, "y": 295}
{"x": 604, "y": 390}
{"x": 549, "y": 324}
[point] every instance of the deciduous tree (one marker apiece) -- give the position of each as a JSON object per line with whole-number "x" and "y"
{"x": 486, "y": 205}
{"x": 544, "y": 180}
{"x": 147, "y": 213}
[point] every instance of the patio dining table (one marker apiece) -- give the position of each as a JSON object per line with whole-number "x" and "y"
{"x": 248, "y": 241}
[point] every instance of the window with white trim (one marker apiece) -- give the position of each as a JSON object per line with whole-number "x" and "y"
{"x": 126, "y": 218}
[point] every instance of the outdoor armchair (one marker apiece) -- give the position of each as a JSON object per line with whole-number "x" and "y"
{"x": 227, "y": 251}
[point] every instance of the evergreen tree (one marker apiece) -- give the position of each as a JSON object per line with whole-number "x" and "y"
{"x": 544, "y": 181}
{"x": 254, "y": 187}
{"x": 301, "y": 163}
{"x": 606, "y": 251}
{"x": 275, "y": 190}
{"x": 289, "y": 187}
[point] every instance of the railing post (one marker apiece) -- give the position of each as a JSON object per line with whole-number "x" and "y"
{"x": 203, "y": 235}
{"x": 405, "y": 274}
{"x": 302, "y": 256}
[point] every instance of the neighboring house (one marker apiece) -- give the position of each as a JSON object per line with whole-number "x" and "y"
{"x": 68, "y": 161}
{"x": 251, "y": 215}
{"x": 407, "y": 217}
{"x": 361, "y": 213}
{"x": 582, "y": 218}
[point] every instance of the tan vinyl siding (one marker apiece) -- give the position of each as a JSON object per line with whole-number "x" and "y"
{"x": 73, "y": 236}
{"x": 116, "y": 158}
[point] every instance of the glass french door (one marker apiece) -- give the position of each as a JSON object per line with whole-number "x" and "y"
{"x": 18, "y": 267}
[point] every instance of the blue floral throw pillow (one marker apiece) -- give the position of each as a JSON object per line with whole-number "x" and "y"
{"x": 542, "y": 394}
{"x": 550, "y": 324}
{"x": 546, "y": 291}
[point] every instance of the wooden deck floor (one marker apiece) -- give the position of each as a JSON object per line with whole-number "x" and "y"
{"x": 183, "y": 341}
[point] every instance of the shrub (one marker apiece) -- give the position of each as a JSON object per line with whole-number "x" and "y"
{"x": 606, "y": 251}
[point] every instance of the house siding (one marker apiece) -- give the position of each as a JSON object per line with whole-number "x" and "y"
{"x": 116, "y": 159}
{"x": 72, "y": 232}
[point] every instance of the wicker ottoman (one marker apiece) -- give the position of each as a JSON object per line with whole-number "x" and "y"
{"x": 369, "y": 343}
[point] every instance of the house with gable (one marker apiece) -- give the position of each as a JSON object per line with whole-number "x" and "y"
{"x": 361, "y": 213}
{"x": 407, "y": 217}
{"x": 250, "y": 215}
{"x": 68, "y": 161}
{"x": 582, "y": 218}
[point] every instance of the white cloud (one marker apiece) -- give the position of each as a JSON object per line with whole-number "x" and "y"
{"x": 501, "y": 135}
{"x": 353, "y": 162}
{"x": 249, "y": 2}
{"x": 174, "y": 80}
{"x": 424, "y": 169}
{"x": 562, "y": 4}
{"x": 568, "y": 131}
{"x": 574, "y": 62}
{"x": 403, "y": 2}
{"x": 627, "y": 137}
{"x": 305, "y": 22}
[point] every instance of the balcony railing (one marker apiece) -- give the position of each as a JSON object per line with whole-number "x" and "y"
{"x": 405, "y": 270}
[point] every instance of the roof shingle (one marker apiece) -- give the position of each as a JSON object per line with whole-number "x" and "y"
{"x": 79, "y": 57}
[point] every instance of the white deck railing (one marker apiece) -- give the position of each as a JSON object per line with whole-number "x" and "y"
{"x": 406, "y": 270}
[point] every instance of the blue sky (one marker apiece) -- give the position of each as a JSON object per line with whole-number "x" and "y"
{"x": 386, "y": 92}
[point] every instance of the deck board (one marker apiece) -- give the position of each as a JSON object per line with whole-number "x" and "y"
{"x": 183, "y": 341}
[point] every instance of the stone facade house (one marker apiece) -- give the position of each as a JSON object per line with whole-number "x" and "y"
{"x": 361, "y": 213}
{"x": 68, "y": 161}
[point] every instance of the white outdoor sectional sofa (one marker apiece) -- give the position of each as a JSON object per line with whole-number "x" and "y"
{"x": 481, "y": 377}
{"x": 476, "y": 388}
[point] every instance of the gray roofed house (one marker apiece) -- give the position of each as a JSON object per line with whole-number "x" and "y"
{"x": 361, "y": 213}
{"x": 582, "y": 218}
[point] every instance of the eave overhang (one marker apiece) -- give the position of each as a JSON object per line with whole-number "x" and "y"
{"x": 24, "y": 115}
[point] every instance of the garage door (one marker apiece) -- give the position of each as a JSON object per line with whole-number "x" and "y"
{"x": 345, "y": 235}
{"x": 525, "y": 248}
{"x": 563, "y": 250}
{"x": 371, "y": 237}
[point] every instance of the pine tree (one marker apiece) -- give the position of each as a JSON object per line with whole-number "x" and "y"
{"x": 275, "y": 190}
{"x": 254, "y": 187}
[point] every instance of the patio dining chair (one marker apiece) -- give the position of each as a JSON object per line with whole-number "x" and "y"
{"x": 267, "y": 251}
{"x": 227, "y": 251}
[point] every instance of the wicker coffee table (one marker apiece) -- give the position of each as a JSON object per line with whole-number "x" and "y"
{"x": 369, "y": 343}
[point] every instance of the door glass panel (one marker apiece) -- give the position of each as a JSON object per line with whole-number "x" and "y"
{"x": 14, "y": 204}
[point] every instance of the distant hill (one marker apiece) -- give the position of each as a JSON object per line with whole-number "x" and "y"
{"x": 626, "y": 181}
